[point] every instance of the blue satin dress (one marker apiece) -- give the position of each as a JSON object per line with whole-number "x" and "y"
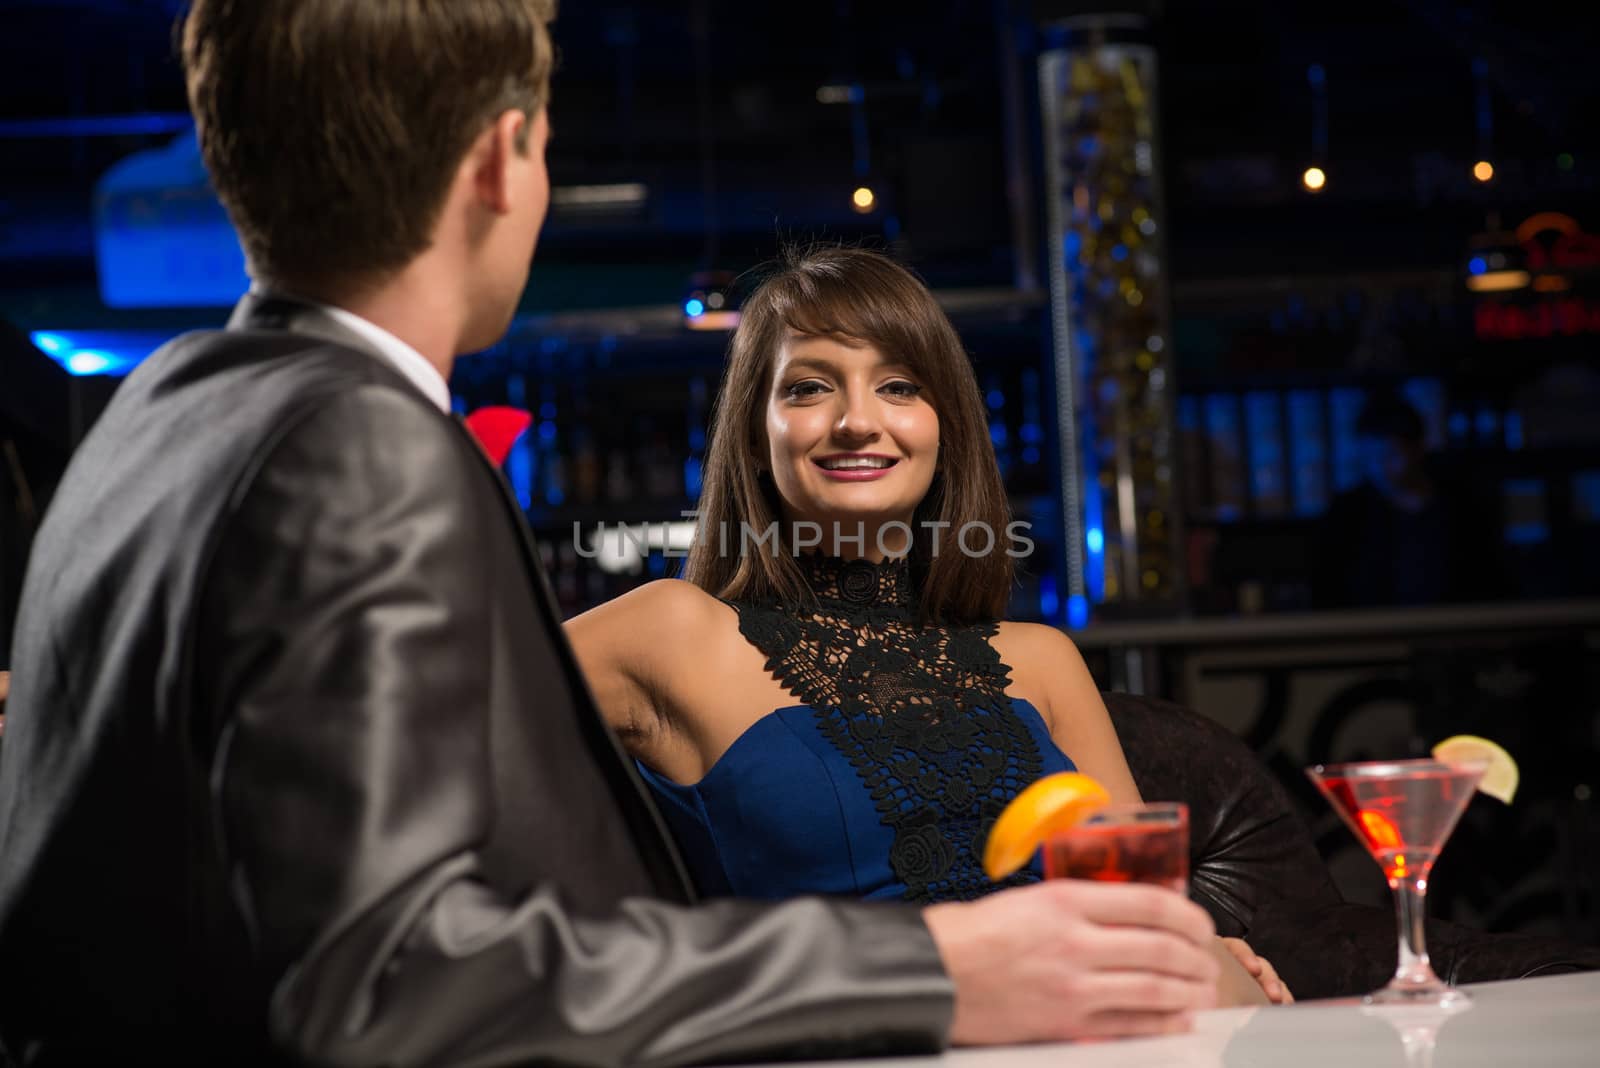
{"x": 884, "y": 782}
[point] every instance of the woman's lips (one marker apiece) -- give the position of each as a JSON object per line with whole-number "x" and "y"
{"x": 855, "y": 474}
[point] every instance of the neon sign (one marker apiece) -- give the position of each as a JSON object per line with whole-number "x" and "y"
{"x": 1554, "y": 248}
{"x": 1569, "y": 249}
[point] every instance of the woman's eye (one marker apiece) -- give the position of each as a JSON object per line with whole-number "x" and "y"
{"x": 901, "y": 388}
{"x": 804, "y": 389}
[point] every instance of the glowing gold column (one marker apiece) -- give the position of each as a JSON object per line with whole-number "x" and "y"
{"x": 1109, "y": 299}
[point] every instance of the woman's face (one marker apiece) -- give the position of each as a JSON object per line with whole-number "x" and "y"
{"x": 851, "y": 437}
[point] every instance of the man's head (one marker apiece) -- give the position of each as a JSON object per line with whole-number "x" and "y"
{"x": 336, "y": 130}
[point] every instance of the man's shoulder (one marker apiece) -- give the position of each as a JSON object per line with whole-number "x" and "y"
{"x": 256, "y": 367}
{"x": 245, "y": 391}
{"x": 190, "y": 431}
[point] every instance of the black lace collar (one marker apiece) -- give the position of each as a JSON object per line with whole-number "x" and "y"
{"x": 839, "y": 584}
{"x": 919, "y": 710}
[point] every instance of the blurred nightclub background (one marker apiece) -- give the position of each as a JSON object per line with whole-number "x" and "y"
{"x": 1286, "y": 316}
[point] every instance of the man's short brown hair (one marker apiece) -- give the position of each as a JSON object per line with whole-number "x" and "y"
{"x": 333, "y": 128}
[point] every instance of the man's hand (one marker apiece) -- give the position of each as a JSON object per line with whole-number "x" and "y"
{"x": 1261, "y": 970}
{"x": 1069, "y": 959}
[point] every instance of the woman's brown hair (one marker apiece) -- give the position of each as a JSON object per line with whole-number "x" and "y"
{"x": 852, "y": 295}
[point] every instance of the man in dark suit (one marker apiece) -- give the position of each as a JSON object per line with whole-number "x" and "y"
{"x": 298, "y": 766}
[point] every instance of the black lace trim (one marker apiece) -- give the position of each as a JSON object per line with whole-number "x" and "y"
{"x": 920, "y": 712}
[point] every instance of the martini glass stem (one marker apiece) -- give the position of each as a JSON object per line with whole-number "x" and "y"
{"x": 1410, "y": 899}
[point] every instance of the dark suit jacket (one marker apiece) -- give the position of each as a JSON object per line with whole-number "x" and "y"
{"x": 298, "y": 765}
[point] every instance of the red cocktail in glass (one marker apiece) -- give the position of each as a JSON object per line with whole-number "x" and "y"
{"x": 1124, "y": 844}
{"x": 1403, "y": 811}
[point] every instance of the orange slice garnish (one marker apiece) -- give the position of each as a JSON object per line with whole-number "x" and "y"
{"x": 1048, "y": 806}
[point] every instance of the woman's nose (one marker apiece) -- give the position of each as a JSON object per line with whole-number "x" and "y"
{"x": 857, "y": 418}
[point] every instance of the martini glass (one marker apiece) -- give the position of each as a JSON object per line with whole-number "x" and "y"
{"x": 1403, "y": 811}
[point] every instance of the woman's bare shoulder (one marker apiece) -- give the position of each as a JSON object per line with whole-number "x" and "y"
{"x": 1044, "y": 663}
{"x": 1028, "y": 645}
{"x": 660, "y": 608}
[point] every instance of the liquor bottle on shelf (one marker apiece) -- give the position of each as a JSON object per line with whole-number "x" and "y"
{"x": 596, "y": 589}
{"x": 698, "y": 413}
{"x": 619, "y": 483}
{"x": 656, "y": 464}
{"x": 1031, "y": 432}
{"x": 586, "y": 474}
{"x": 584, "y": 466}
{"x": 999, "y": 432}
{"x": 566, "y": 578}
{"x": 552, "y": 474}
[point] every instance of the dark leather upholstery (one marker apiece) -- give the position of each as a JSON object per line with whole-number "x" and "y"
{"x": 1254, "y": 867}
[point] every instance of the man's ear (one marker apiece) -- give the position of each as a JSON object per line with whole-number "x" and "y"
{"x": 493, "y": 157}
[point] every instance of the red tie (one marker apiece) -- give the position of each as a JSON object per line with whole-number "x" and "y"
{"x": 497, "y": 429}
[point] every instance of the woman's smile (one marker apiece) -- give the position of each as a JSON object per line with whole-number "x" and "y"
{"x": 855, "y": 466}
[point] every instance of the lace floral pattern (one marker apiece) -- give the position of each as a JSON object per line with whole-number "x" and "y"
{"x": 920, "y": 712}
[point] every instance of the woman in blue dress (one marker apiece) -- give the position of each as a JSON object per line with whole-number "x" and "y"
{"x": 829, "y": 701}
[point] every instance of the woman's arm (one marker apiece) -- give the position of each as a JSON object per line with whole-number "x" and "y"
{"x": 626, "y": 648}
{"x": 1046, "y": 663}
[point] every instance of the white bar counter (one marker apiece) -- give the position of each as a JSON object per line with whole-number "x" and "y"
{"x": 1525, "y": 1023}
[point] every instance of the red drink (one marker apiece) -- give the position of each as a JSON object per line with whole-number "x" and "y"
{"x": 1124, "y": 844}
{"x": 1403, "y": 811}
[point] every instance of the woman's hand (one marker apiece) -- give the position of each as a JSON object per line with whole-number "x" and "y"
{"x": 1261, "y": 970}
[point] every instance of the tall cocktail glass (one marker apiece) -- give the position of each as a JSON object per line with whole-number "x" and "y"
{"x": 1403, "y": 811}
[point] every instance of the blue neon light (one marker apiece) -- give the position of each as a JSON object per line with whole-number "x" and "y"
{"x": 52, "y": 344}
{"x": 1527, "y": 534}
{"x": 162, "y": 238}
{"x": 1094, "y": 564}
{"x": 1077, "y": 611}
{"x": 1096, "y": 540}
{"x": 90, "y": 362}
{"x": 1586, "y": 496}
{"x": 97, "y": 352}
{"x": 143, "y": 124}
{"x": 1514, "y": 436}
{"x": 1477, "y": 265}
{"x": 693, "y": 307}
{"x": 1049, "y": 600}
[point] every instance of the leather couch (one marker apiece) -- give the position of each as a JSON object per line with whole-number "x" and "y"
{"x": 1254, "y": 867}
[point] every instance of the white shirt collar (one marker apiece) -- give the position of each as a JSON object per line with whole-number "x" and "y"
{"x": 405, "y": 359}
{"x": 402, "y": 357}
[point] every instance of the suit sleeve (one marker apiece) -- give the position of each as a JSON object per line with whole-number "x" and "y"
{"x": 345, "y": 622}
